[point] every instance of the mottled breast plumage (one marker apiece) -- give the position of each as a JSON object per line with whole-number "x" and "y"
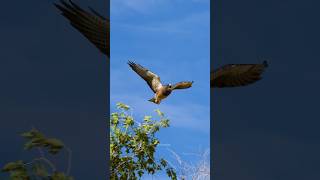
{"x": 166, "y": 92}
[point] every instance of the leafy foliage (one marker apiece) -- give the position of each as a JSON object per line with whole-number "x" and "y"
{"x": 60, "y": 176}
{"x": 133, "y": 145}
{"x": 17, "y": 170}
{"x": 37, "y": 139}
{"x": 40, "y": 167}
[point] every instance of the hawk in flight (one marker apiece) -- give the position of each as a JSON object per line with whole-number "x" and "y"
{"x": 92, "y": 25}
{"x": 233, "y": 75}
{"x": 160, "y": 91}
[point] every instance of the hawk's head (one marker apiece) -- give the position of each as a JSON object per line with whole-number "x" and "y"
{"x": 168, "y": 87}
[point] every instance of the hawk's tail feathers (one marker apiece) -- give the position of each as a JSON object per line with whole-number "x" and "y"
{"x": 152, "y": 100}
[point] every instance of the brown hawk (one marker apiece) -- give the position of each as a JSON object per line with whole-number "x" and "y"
{"x": 161, "y": 91}
{"x": 93, "y": 26}
{"x": 233, "y": 75}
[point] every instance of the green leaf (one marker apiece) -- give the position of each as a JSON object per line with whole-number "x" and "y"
{"x": 140, "y": 173}
{"x": 19, "y": 175}
{"x": 164, "y": 122}
{"x": 11, "y": 166}
{"x": 171, "y": 173}
{"x": 54, "y": 143}
{"x": 123, "y": 106}
{"x": 156, "y": 142}
{"x": 128, "y": 121}
{"x": 159, "y": 113}
{"x": 147, "y": 119}
{"x": 33, "y": 133}
{"x": 163, "y": 163}
{"x": 37, "y": 139}
{"x": 60, "y": 176}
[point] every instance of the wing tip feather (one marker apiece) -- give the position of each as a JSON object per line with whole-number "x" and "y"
{"x": 131, "y": 63}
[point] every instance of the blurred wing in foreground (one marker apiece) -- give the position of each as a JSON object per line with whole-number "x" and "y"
{"x": 233, "y": 75}
{"x": 93, "y": 26}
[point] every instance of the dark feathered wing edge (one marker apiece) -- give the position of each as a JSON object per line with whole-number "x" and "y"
{"x": 93, "y": 26}
{"x": 151, "y": 78}
{"x": 233, "y": 75}
{"x": 182, "y": 85}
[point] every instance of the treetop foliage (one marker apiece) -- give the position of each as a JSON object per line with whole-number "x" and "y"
{"x": 40, "y": 167}
{"x": 133, "y": 145}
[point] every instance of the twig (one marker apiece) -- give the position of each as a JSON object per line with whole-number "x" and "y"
{"x": 42, "y": 157}
{"x": 45, "y": 160}
{"x": 69, "y": 159}
{"x": 196, "y": 171}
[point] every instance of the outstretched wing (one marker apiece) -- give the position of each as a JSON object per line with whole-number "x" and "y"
{"x": 182, "y": 85}
{"x": 93, "y": 26}
{"x": 233, "y": 75}
{"x": 152, "y": 79}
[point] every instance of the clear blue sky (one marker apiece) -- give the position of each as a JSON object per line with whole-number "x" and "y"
{"x": 172, "y": 39}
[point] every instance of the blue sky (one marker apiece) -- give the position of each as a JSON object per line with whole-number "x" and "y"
{"x": 172, "y": 39}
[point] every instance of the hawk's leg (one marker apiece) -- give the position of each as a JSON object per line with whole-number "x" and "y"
{"x": 155, "y": 100}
